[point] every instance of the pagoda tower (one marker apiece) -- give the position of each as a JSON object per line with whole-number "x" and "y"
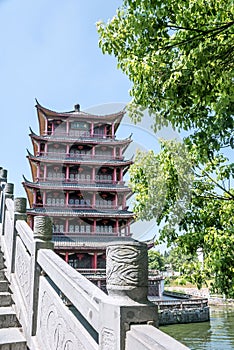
{"x": 78, "y": 169}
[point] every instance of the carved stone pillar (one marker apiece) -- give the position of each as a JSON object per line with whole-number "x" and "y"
{"x": 3, "y": 175}
{"x": 127, "y": 270}
{"x": 127, "y": 286}
{"x": 9, "y": 190}
{"x": 20, "y": 208}
{"x": 19, "y": 214}
{"x": 8, "y": 193}
{"x": 43, "y": 228}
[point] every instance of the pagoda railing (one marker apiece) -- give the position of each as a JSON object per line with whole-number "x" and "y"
{"x": 76, "y": 206}
{"x": 101, "y": 272}
{"x": 84, "y": 178}
{"x": 77, "y": 133}
{"x": 77, "y": 156}
{"x": 88, "y": 234}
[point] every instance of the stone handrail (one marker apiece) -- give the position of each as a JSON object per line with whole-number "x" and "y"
{"x": 59, "y": 308}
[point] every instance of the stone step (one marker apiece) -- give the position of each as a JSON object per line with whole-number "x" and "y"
{"x": 8, "y": 317}
{"x": 4, "y": 286}
{"x": 5, "y": 299}
{"x": 12, "y": 339}
{"x": 2, "y": 275}
{"x": 2, "y": 266}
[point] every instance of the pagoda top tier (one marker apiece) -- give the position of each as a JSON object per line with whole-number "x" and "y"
{"x": 81, "y": 121}
{"x": 78, "y": 114}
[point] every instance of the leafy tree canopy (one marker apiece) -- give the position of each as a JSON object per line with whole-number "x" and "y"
{"x": 195, "y": 207}
{"x": 156, "y": 260}
{"x": 179, "y": 55}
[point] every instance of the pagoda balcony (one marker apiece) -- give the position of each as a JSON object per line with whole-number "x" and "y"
{"x": 77, "y": 234}
{"x": 81, "y": 178}
{"x": 81, "y": 134}
{"x": 78, "y": 156}
{"x": 76, "y": 204}
{"x": 79, "y": 230}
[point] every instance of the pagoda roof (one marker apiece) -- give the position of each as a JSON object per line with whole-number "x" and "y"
{"x": 78, "y": 114}
{"x": 94, "y": 242}
{"x": 88, "y": 213}
{"x": 70, "y": 186}
{"x": 67, "y": 160}
{"x": 86, "y": 242}
{"x": 45, "y": 113}
{"x": 83, "y": 139}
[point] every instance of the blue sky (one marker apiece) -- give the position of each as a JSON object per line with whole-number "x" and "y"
{"x": 49, "y": 51}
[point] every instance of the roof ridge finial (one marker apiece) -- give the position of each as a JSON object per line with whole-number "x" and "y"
{"x": 77, "y": 107}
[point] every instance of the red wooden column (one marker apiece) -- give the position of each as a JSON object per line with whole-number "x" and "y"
{"x": 93, "y": 174}
{"x": 44, "y": 198}
{"x": 67, "y": 173}
{"x": 66, "y": 198}
{"x": 113, "y": 130}
{"x": 92, "y": 128}
{"x": 67, "y": 127}
{"x": 114, "y": 177}
{"x": 94, "y": 200}
{"x": 46, "y": 126}
{"x": 94, "y": 226}
{"x": 45, "y": 172}
{"x": 114, "y": 152}
{"x": 94, "y": 262}
{"x": 66, "y": 257}
{"x": 67, "y": 150}
{"x": 121, "y": 174}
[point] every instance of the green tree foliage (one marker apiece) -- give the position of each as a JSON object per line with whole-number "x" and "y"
{"x": 179, "y": 55}
{"x": 195, "y": 207}
{"x": 156, "y": 260}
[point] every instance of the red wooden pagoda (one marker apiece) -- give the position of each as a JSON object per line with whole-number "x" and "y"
{"x": 77, "y": 170}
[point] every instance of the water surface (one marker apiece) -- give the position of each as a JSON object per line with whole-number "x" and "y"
{"x": 217, "y": 334}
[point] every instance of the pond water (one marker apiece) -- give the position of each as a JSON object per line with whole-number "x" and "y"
{"x": 216, "y": 334}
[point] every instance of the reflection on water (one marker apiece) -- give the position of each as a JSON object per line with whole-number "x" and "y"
{"x": 216, "y": 334}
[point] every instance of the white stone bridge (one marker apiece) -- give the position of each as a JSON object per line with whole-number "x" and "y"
{"x": 46, "y": 305}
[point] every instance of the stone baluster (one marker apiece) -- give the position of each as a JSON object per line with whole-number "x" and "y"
{"x": 127, "y": 270}
{"x": 20, "y": 208}
{"x": 43, "y": 228}
{"x": 42, "y": 240}
{"x": 8, "y": 192}
{"x": 127, "y": 286}
{"x": 19, "y": 214}
{"x": 3, "y": 176}
{"x": 3, "y": 180}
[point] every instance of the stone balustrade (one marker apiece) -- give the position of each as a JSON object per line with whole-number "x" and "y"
{"x": 59, "y": 308}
